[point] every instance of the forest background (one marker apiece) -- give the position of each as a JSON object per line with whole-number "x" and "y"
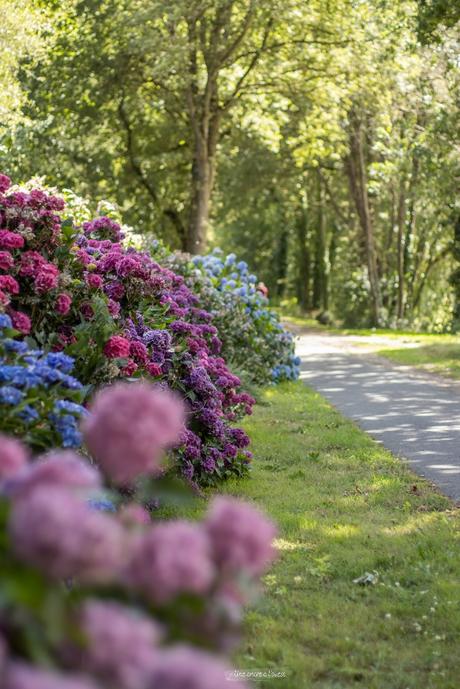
{"x": 318, "y": 140}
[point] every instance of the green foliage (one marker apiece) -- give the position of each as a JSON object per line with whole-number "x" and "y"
{"x": 434, "y": 16}
{"x": 258, "y": 104}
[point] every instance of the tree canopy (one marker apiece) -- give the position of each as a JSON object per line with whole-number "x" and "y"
{"x": 318, "y": 140}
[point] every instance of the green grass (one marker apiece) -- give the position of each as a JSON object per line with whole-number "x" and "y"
{"x": 345, "y": 507}
{"x": 439, "y": 357}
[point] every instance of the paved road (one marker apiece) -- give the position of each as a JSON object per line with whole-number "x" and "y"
{"x": 416, "y": 416}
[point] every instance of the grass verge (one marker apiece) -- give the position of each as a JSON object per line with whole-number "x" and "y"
{"x": 431, "y": 352}
{"x": 436, "y": 356}
{"x": 346, "y": 507}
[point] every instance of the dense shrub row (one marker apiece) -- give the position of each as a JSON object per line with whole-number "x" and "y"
{"x": 110, "y": 351}
{"x": 96, "y": 592}
{"x": 254, "y": 342}
{"x": 118, "y": 313}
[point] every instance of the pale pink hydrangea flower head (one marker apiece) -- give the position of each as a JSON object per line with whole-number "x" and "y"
{"x": 13, "y": 457}
{"x": 170, "y": 559}
{"x": 134, "y": 515}
{"x": 121, "y": 644}
{"x": 182, "y": 667}
{"x": 129, "y": 426}
{"x": 3, "y": 657}
{"x": 241, "y": 536}
{"x": 61, "y": 468}
{"x": 59, "y": 534}
{"x": 23, "y": 676}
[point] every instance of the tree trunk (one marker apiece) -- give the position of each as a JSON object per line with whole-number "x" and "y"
{"x": 357, "y": 177}
{"x": 205, "y": 115}
{"x": 200, "y": 196}
{"x": 303, "y": 261}
{"x": 320, "y": 296}
{"x": 401, "y": 220}
{"x": 205, "y": 135}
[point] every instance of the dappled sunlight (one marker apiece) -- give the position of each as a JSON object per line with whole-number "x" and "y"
{"x": 416, "y": 418}
{"x": 340, "y": 531}
{"x": 283, "y": 544}
{"x": 413, "y": 523}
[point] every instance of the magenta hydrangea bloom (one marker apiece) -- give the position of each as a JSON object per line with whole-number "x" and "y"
{"x": 63, "y": 304}
{"x": 128, "y": 427}
{"x": 9, "y": 284}
{"x": 138, "y": 351}
{"x": 59, "y": 534}
{"x": 94, "y": 281}
{"x": 5, "y": 183}
{"x": 117, "y": 347}
{"x": 30, "y": 263}
{"x": 182, "y": 667}
{"x": 13, "y": 457}
{"x": 47, "y": 278}
{"x": 11, "y": 240}
{"x": 170, "y": 559}
{"x": 62, "y": 468}
{"x": 120, "y": 644}
{"x": 22, "y": 676}
{"x": 241, "y": 536}
{"x": 21, "y": 322}
{"x": 6, "y": 260}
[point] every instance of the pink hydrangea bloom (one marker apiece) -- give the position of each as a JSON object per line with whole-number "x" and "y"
{"x": 121, "y": 644}
{"x": 63, "y": 304}
{"x": 60, "y": 468}
{"x": 11, "y": 240}
{"x": 13, "y": 457}
{"x": 5, "y": 183}
{"x": 47, "y": 278}
{"x": 22, "y": 676}
{"x": 9, "y": 284}
{"x": 87, "y": 311}
{"x": 6, "y": 260}
{"x": 114, "y": 308}
{"x": 83, "y": 257}
{"x": 117, "y": 347}
{"x": 170, "y": 559}
{"x": 21, "y": 322}
{"x": 4, "y": 298}
{"x": 129, "y": 425}
{"x": 63, "y": 537}
{"x": 182, "y": 667}
{"x": 134, "y": 515}
{"x": 137, "y": 350}
{"x": 130, "y": 368}
{"x": 154, "y": 369}
{"x": 31, "y": 262}
{"x": 241, "y": 536}
{"x": 94, "y": 281}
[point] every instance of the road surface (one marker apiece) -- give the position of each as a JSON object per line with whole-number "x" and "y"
{"x": 415, "y": 415}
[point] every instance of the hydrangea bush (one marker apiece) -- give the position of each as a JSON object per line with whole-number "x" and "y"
{"x": 119, "y": 314}
{"x": 254, "y": 341}
{"x": 39, "y": 398}
{"x": 145, "y": 605}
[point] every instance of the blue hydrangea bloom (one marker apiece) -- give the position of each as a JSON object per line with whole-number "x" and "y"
{"x": 10, "y": 395}
{"x": 5, "y": 321}
{"x": 102, "y": 505}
